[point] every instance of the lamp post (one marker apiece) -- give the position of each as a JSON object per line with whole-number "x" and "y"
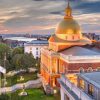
{"x": 0, "y": 83}
{"x": 23, "y": 92}
{"x": 5, "y": 82}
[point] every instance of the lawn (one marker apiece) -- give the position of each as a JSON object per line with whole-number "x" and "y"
{"x": 33, "y": 94}
{"x": 16, "y": 78}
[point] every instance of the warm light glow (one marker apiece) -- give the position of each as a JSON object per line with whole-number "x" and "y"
{"x": 70, "y": 31}
{"x": 72, "y": 78}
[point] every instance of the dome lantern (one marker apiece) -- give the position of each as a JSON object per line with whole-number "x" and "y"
{"x": 68, "y": 11}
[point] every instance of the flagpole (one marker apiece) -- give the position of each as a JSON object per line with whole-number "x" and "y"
{"x": 0, "y": 83}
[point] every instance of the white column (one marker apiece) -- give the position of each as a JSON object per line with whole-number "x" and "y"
{"x": 62, "y": 93}
{"x": 50, "y": 65}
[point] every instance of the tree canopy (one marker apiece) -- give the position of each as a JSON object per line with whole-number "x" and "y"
{"x": 16, "y": 58}
{"x": 17, "y": 50}
{"x": 4, "y": 49}
{"x": 23, "y": 61}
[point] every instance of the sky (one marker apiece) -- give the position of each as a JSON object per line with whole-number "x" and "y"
{"x": 42, "y": 16}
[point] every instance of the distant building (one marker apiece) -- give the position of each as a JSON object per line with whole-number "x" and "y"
{"x": 92, "y": 36}
{"x": 85, "y": 87}
{"x": 34, "y": 47}
{"x": 1, "y": 39}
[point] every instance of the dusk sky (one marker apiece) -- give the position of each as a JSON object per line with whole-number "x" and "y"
{"x": 42, "y": 16}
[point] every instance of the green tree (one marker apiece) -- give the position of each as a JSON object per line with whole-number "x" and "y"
{"x": 27, "y": 60}
{"x": 4, "y": 49}
{"x": 17, "y": 50}
{"x": 7, "y": 64}
{"x": 23, "y": 61}
{"x": 16, "y": 61}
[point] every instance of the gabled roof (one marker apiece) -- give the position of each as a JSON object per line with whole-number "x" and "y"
{"x": 38, "y": 42}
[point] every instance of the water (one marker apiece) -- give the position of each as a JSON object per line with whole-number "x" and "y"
{"x": 21, "y": 39}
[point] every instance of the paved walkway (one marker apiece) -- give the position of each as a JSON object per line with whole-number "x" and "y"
{"x": 30, "y": 84}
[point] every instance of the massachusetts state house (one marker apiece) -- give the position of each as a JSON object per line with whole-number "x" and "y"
{"x": 67, "y": 52}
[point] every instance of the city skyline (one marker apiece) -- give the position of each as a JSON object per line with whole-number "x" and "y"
{"x": 42, "y": 16}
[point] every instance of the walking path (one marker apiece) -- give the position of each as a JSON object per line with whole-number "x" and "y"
{"x": 30, "y": 84}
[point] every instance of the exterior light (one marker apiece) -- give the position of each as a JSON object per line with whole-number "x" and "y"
{"x": 55, "y": 91}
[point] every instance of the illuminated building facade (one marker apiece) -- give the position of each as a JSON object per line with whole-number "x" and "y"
{"x": 87, "y": 87}
{"x": 66, "y": 53}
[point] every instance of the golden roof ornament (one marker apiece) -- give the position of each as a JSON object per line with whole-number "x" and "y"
{"x": 68, "y": 11}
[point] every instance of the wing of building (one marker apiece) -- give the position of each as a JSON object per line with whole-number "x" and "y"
{"x": 66, "y": 52}
{"x": 86, "y": 87}
{"x": 34, "y": 47}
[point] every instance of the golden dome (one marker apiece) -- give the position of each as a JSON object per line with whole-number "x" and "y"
{"x": 68, "y": 28}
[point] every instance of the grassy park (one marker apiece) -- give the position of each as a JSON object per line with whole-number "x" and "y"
{"x": 33, "y": 94}
{"x": 15, "y": 59}
{"x": 12, "y": 80}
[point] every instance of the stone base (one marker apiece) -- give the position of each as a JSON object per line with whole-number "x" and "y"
{"x": 23, "y": 94}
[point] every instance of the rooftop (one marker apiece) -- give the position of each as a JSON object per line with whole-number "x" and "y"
{"x": 92, "y": 77}
{"x": 37, "y": 42}
{"x": 79, "y": 51}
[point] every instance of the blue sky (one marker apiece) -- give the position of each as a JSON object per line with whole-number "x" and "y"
{"x": 42, "y": 16}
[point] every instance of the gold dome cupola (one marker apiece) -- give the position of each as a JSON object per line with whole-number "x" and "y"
{"x": 68, "y": 29}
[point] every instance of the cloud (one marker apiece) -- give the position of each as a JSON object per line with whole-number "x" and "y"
{"x": 44, "y": 15}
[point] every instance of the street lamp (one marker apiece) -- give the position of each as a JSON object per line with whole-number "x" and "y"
{"x": 5, "y": 58}
{"x": 36, "y": 64}
{"x": 23, "y": 92}
{"x": 0, "y": 83}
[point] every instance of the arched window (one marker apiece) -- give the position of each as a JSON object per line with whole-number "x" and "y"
{"x": 90, "y": 69}
{"x": 66, "y": 37}
{"x": 98, "y": 69}
{"x": 78, "y": 37}
{"x": 73, "y": 37}
{"x": 81, "y": 70}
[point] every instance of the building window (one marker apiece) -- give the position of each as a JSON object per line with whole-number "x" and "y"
{"x": 81, "y": 70}
{"x": 81, "y": 84}
{"x": 36, "y": 57}
{"x": 90, "y": 69}
{"x": 73, "y": 37}
{"x": 98, "y": 69}
{"x": 36, "y": 52}
{"x": 66, "y": 37}
{"x": 90, "y": 89}
{"x": 36, "y": 48}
